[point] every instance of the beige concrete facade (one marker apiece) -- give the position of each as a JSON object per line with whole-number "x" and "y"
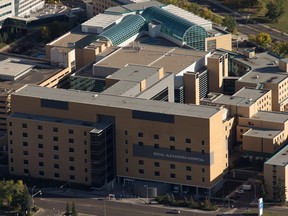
{"x": 204, "y": 137}
{"x": 223, "y": 41}
{"x": 99, "y": 6}
{"x": 275, "y": 170}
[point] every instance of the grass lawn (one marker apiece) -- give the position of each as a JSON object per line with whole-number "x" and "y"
{"x": 282, "y": 25}
{"x": 254, "y": 212}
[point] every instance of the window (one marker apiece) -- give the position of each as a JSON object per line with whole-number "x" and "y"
{"x": 141, "y": 162}
{"x": 72, "y": 177}
{"x": 11, "y": 160}
{"x": 126, "y": 169}
{"x": 71, "y": 149}
{"x": 25, "y": 143}
{"x": 25, "y": 161}
{"x": 11, "y": 142}
{"x": 140, "y": 134}
{"x": 56, "y": 175}
{"x": 71, "y": 159}
{"x": 24, "y": 125}
{"x": 10, "y": 123}
{"x": 85, "y": 160}
{"x": 26, "y": 171}
{"x": 172, "y": 175}
{"x": 203, "y": 179}
{"x": 12, "y": 169}
{"x": 55, "y": 129}
{"x": 156, "y": 136}
{"x": 71, "y": 168}
{"x": 172, "y": 166}
{"x": 56, "y": 166}
{"x": 41, "y": 173}
{"x": 203, "y": 142}
{"x": 126, "y": 160}
{"x": 126, "y": 151}
{"x": 56, "y": 157}
{"x": 40, "y": 145}
{"x": 203, "y": 170}
{"x": 172, "y": 138}
{"x": 126, "y": 142}
{"x": 11, "y": 151}
{"x": 41, "y": 155}
{"x": 70, "y": 131}
{"x": 140, "y": 143}
{"x": 71, "y": 140}
{"x": 40, "y": 127}
{"x": 56, "y": 148}
{"x": 141, "y": 171}
{"x": 85, "y": 151}
{"x": 172, "y": 148}
{"x": 156, "y": 164}
{"x": 10, "y": 132}
{"x": 188, "y": 140}
{"x": 188, "y": 149}
{"x": 157, "y": 173}
{"x": 188, "y": 177}
{"x": 55, "y": 139}
{"x": 86, "y": 170}
{"x": 126, "y": 132}
{"x": 156, "y": 146}
{"x": 23, "y": 134}
{"x": 25, "y": 152}
{"x": 188, "y": 168}
{"x": 40, "y": 136}
{"x": 85, "y": 133}
{"x": 41, "y": 164}
{"x": 203, "y": 152}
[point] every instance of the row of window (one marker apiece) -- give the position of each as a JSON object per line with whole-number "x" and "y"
{"x": 157, "y": 164}
{"x": 172, "y": 175}
{"x": 157, "y": 137}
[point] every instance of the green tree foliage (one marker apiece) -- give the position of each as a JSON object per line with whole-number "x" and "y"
{"x": 74, "y": 210}
{"x": 275, "y": 9}
{"x": 68, "y": 209}
{"x": 45, "y": 32}
{"x": 281, "y": 192}
{"x": 15, "y": 195}
{"x": 230, "y": 23}
{"x": 280, "y": 48}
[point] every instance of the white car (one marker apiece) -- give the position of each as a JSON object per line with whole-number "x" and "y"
{"x": 240, "y": 191}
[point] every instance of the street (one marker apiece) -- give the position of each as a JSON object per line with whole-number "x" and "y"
{"x": 55, "y": 206}
{"x": 247, "y": 27}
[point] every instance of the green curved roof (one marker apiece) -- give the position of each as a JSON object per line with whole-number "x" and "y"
{"x": 128, "y": 27}
{"x": 177, "y": 27}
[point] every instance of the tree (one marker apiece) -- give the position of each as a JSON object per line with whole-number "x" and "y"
{"x": 281, "y": 192}
{"x": 263, "y": 39}
{"x": 45, "y": 32}
{"x": 230, "y": 23}
{"x": 280, "y": 48}
{"x": 275, "y": 9}
{"x": 68, "y": 209}
{"x": 74, "y": 211}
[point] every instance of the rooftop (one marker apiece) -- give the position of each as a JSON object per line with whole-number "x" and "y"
{"x": 102, "y": 20}
{"x": 263, "y": 62}
{"x": 118, "y": 102}
{"x": 277, "y": 117}
{"x": 259, "y": 77}
{"x": 35, "y": 73}
{"x": 12, "y": 69}
{"x": 135, "y": 73}
{"x": 262, "y": 133}
{"x": 122, "y": 88}
{"x": 280, "y": 158}
{"x": 132, "y": 7}
{"x": 252, "y": 93}
{"x": 171, "y": 58}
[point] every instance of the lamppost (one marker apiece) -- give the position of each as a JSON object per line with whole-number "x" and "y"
{"x": 147, "y": 193}
{"x": 38, "y": 192}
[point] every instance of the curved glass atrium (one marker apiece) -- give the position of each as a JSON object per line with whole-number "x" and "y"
{"x": 127, "y": 28}
{"x": 177, "y": 27}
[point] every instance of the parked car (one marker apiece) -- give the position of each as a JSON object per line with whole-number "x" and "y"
{"x": 176, "y": 211}
{"x": 240, "y": 191}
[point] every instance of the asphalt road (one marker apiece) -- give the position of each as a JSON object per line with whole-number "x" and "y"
{"x": 244, "y": 26}
{"x": 56, "y": 206}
